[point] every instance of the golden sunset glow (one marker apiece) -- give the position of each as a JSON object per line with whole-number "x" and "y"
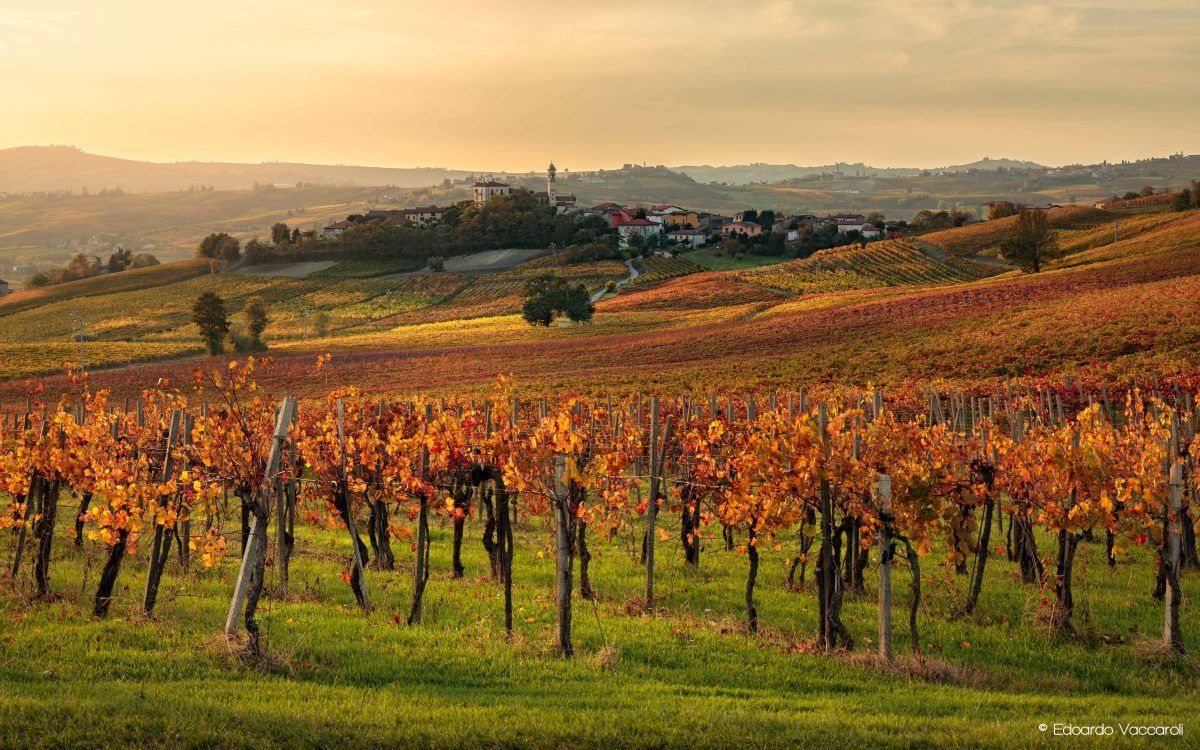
{"x": 509, "y": 85}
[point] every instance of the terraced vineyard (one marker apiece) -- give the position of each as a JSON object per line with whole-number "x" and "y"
{"x": 657, "y": 269}
{"x": 131, "y": 280}
{"x": 878, "y": 264}
{"x": 363, "y": 268}
{"x": 975, "y": 238}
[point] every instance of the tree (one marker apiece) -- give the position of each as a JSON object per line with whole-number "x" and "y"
{"x": 321, "y": 322}
{"x": 82, "y": 266}
{"x": 1146, "y": 191}
{"x": 280, "y": 233}
{"x": 1183, "y": 201}
{"x": 255, "y": 312}
{"x": 119, "y": 260}
{"x": 1001, "y": 209}
{"x": 547, "y": 295}
{"x": 219, "y": 246}
{"x": 208, "y": 313}
{"x": 437, "y": 263}
{"x": 1031, "y": 242}
{"x": 143, "y": 260}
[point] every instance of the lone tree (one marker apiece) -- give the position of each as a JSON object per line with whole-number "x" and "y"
{"x": 255, "y": 312}
{"x": 209, "y": 316}
{"x": 1031, "y": 242}
{"x": 547, "y": 295}
{"x": 280, "y": 233}
{"x": 219, "y": 246}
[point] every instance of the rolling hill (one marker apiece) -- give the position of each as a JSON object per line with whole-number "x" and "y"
{"x": 53, "y": 168}
{"x": 884, "y": 313}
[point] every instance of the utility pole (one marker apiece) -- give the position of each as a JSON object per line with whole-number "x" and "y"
{"x": 77, "y": 328}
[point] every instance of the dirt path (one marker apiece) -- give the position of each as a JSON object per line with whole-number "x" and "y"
{"x": 633, "y": 274}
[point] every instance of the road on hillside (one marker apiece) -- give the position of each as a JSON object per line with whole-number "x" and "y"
{"x": 633, "y": 274}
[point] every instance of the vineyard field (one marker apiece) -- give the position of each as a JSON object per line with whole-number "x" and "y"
{"x": 686, "y": 678}
{"x": 877, "y": 264}
{"x": 722, "y": 625}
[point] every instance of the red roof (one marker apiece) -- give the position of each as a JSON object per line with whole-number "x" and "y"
{"x": 640, "y": 223}
{"x": 491, "y": 183}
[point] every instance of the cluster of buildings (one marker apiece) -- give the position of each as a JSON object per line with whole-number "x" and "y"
{"x": 679, "y": 226}
{"x": 683, "y": 226}
{"x": 427, "y": 217}
{"x": 563, "y": 203}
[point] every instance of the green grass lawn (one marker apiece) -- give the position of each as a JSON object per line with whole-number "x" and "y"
{"x": 713, "y": 259}
{"x": 689, "y": 676}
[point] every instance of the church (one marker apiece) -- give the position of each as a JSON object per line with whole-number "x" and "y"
{"x": 562, "y": 203}
{"x": 484, "y": 191}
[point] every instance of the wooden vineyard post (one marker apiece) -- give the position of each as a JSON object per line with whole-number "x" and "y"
{"x": 1172, "y": 637}
{"x": 562, "y": 558}
{"x": 185, "y": 524}
{"x": 826, "y": 575}
{"x": 281, "y": 512}
{"x": 656, "y": 454}
{"x": 358, "y": 562}
{"x": 251, "y": 567}
{"x": 651, "y": 505}
{"x": 885, "y": 568}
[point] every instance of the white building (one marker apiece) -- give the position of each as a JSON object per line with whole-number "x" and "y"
{"x": 868, "y": 231}
{"x": 689, "y": 237}
{"x": 335, "y": 230}
{"x": 486, "y": 190}
{"x": 643, "y": 228}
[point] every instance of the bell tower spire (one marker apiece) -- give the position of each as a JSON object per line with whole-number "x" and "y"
{"x": 552, "y": 186}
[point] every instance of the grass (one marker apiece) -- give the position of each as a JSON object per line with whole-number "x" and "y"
{"x": 714, "y": 259}
{"x": 687, "y": 676}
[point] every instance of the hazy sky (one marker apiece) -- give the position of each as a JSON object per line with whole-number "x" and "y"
{"x": 510, "y": 85}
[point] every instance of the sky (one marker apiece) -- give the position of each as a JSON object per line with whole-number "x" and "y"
{"x": 509, "y": 86}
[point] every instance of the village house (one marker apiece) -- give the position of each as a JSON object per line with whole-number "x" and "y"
{"x": 485, "y": 190}
{"x": 643, "y": 228}
{"x": 677, "y": 218}
{"x": 423, "y": 216}
{"x": 618, "y": 216}
{"x": 846, "y": 225}
{"x": 689, "y": 237}
{"x": 602, "y": 209}
{"x": 335, "y": 230}
{"x": 741, "y": 229}
{"x": 5, "y": 288}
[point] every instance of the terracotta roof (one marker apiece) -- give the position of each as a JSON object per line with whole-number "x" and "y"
{"x": 338, "y": 225}
{"x": 640, "y": 223}
{"x": 492, "y": 183}
{"x": 743, "y": 224}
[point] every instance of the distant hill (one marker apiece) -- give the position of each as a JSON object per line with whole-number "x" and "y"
{"x": 50, "y": 168}
{"x": 743, "y": 174}
{"x": 48, "y": 228}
